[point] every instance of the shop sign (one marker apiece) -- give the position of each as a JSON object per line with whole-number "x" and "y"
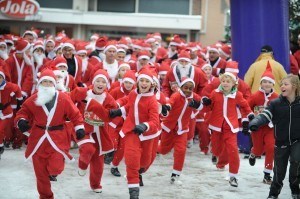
{"x": 19, "y": 8}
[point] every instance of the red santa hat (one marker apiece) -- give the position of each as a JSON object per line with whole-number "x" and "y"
{"x": 59, "y": 61}
{"x": 150, "y": 38}
{"x": 60, "y": 35}
{"x": 47, "y": 74}
{"x": 144, "y": 54}
{"x": 81, "y": 48}
{"x": 185, "y": 80}
{"x": 184, "y": 55}
{"x": 110, "y": 45}
{"x": 38, "y": 44}
{"x": 146, "y": 46}
{"x": 164, "y": 68}
{"x": 268, "y": 75}
{"x": 101, "y": 43}
{"x": 145, "y": 73}
{"x": 123, "y": 64}
{"x": 192, "y": 46}
{"x": 103, "y": 74}
{"x": 232, "y": 67}
{"x": 232, "y": 75}
{"x": 121, "y": 50}
{"x": 2, "y": 72}
{"x": 157, "y": 35}
{"x": 205, "y": 65}
{"x": 129, "y": 76}
{"x": 225, "y": 50}
{"x": 175, "y": 41}
{"x": 213, "y": 49}
{"x": 49, "y": 40}
{"x": 8, "y": 38}
{"x": 94, "y": 36}
{"x": 122, "y": 43}
{"x": 68, "y": 43}
{"x": 34, "y": 33}
{"x": 22, "y": 45}
{"x": 137, "y": 44}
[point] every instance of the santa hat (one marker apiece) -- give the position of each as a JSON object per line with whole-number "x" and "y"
{"x": 121, "y": 50}
{"x": 232, "y": 75}
{"x": 101, "y": 43}
{"x": 213, "y": 49}
{"x": 123, "y": 64}
{"x": 38, "y": 44}
{"x": 146, "y": 46}
{"x": 175, "y": 41}
{"x": 2, "y": 42}
{"x": 129, "y": 76}
{"x": 205, "y": 65}
{"x": 192, "y": 46}
{"x": 232, "y": 67}
{"x": 95, "y": 36}
{"x": 184, "y": 55}
{"x": 60, "y": 35}
{"x": 268, "y": 75}
{"x": 157, "y": 35}
{"x": 2, "y": 72}
{"x": 80, "y": 48}
{"x": 68, "y": 43}
{"x": 34, "y": 33}
{"x": 164, "y": 68}
{"x": 22, "y": 45}
{"x": 185, "y": 80}
{"x": 137, "y": 44}
{"x": 122, "y": 43}
{"x": 150, "y": 38}
{"x": 59, "y": 61}
{"x": 49, "y": 40}
{"x": 8, "y": 38}
{"x": 225, "y": 50}
{"x": 109, "y": 46}
{"x": 101, "y": 73}
{"x": 145, "y": 73}
{"x": 57, "y": 46}
{"x": 47, "y": 74}
{"x": 144, "y": 54}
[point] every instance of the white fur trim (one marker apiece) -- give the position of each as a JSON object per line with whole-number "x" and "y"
{"x": 231, "y": 75}
{"x": 108, "y": 47}
{"x": 187, "y": 80}
{"x": 184, "y": 58}
{"x": 79, "y": 127}
{"x": 213, "y": 49}
{"x": 146, "y": 77}
{"x": 128, "y": 80}
{"x": 81, "y": 52}
{"x": 104, "y": 77}
{"x": 24, "y": 49}
{"x": 144, "y": 57}
{"x": 47, "y": 78}
{"x": 68, "y": 45}
{"x": 232, "y": 70}
{"x": 268, "y": 79}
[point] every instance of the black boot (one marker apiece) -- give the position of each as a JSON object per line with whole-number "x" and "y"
{"x": 1, "y": 150}
{"x": 115, "y": 171}
{"x": 267, "y": 178}
{"x": 214, "y": 160}
{"x": 252, "y": 159}
{"x": 53, "y": 178}
{"x": 108, "y": 158}
{"x": 134, "y": 192}
{"x": 142, "y": 170}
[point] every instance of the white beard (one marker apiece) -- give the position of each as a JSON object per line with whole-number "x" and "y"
{"x": 44, "y": 95}
{"x": 60, "y": 85}
{"x": 3, "y": 54}
{"x": 184, "y": 70}
{"x": 51, "y": 55}
{"x": 27, "y": 59}
{"x": 84, "y": 64}
{"x": 38, "y": 58}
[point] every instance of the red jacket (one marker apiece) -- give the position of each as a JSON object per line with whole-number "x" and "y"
{"x": 220, "y": 64}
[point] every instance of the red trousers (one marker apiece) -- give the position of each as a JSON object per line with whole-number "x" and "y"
{"x": 192, "y": 126}
{"x": 137, "y": 155}
{"x": 46, "y": 161}
{"x": 204, "y": 136}
{"x": 3, "y": 128}
{"x": 224, "y": 146}
{"x": 178, "y": 142}
{"x": 89, "y": 155}
{"x": 263, "y": 141}
{"x": 154, "y": 151}
{"x": 118, "y": 146}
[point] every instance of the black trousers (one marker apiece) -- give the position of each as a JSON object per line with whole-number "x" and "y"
{"x": 282, "y": 156}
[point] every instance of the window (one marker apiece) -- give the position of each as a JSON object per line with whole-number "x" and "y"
{"x": 65, "y": 4}
{"x": 116, "y": 6}
{"x": 164, "y": 6}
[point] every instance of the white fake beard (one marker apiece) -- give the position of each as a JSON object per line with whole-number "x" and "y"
{"x": 184, "y": 70}
{"x": 27, "y": 59}
{"x": 60, "y": 86}
{"x": 84, "y": 64}
{"x": 38, "y": 58}
{"x": 64, "y": 73}
{"x": 51, "y": 55}
{"x": 3, "y": 54}
{"x": 44, "y": 95}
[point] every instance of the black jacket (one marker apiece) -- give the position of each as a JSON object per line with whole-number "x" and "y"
{"x": 286, "y": 120}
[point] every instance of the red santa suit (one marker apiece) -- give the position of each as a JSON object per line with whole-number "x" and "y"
{"x": 217, "y": 64}
{"x": 224, "y": 126}
{"x": 97, "y": 141}
{"x": 141, "y": 108}
{"x": 175, "y": 127}
{"x": 47, "y": 143}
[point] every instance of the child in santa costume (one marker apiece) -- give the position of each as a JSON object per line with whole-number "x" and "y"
{"x": 127, "y": 85}
{"x": 8, "y": 91}
{"x": 123, "y": 68}
{"x": 44, "y": 114}
{"x": 97, "y": 141}
{"x": 263, "y": 140}
{"x": 224, "y": 124}
{"x": 176, "y": 124}
{"x": 140, "y": 128}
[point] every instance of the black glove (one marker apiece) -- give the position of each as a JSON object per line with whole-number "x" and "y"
{"x": 253, "y": 127}
{"x": 23, "y": 125}
{"x": 206, "y": 101}
{"x": 251, "y": 117}
{"x": 194, "y": 104}
{"x": 80, "y": 133}
{"x": 80, "y": 84}
{"x": 115, "y": 113}
{"x": 19, "y": 103}
{"x": 1, "y": 106}
{"x": 245, "y": 130}
{"x": 222, "y": 71}
{"x": 139, "y": 129}
{"x": 164, "y": 109}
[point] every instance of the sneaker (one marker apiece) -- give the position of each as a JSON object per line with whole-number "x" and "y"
{"x": 214, "y": 160}
{"x": 98, "y": 190}
{"x": 1, "y": 150}
{"x": 272, "y": 197}
{"x": 81, "y": 172}
{"x": 267, "y": 178}
{"x": 108, "y": 158}
{"x": 233, "y": 181}
{"x": 53, "y": 178}
{"x": 190, "y": 144}
{"x": 174, "y": 178}
{"x": 7, "y": 144}
{"x": 115, "y": 171}
{"x": 141, "y": 180}
{"x": 295, "y": 196}
{"x": 252, "y": 159}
